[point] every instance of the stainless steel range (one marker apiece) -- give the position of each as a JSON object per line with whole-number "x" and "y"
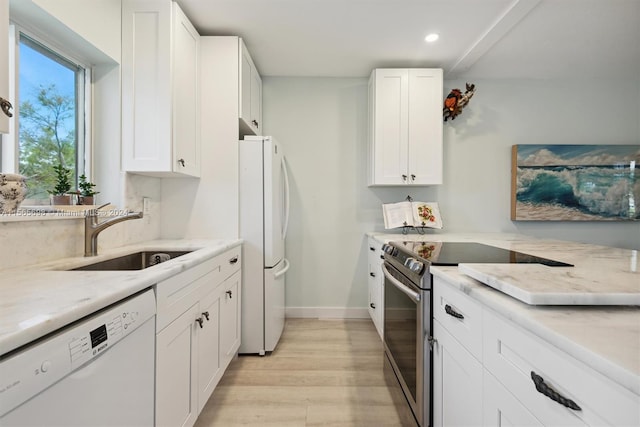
{"x": 408, "y": 319}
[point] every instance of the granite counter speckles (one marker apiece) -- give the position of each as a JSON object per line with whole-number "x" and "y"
{"x": 37, "y": 300}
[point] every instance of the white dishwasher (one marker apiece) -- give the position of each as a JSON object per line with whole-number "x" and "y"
{"x": 98, "y": 371}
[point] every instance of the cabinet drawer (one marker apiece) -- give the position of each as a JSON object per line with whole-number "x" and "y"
{"x": 179, "y": 292}
{"x": 501, "y": 408}
{"x": 512, "y": 354}
{"x": 230, "y": 262}
{"x": 460, "y": 315}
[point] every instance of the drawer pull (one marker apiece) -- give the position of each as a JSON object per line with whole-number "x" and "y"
{"x": 200, "y": 321}
{"x": 206, "y": 315}
{"x": 451, "y": 312}
{"x": 552, "y": 394}
{"x": 371, "y": 248}
{"x": 372, "y": 274}
{"x": 233, "y": 260}
{"x": 229, "y": 293}
{"x": 372, "y": 305}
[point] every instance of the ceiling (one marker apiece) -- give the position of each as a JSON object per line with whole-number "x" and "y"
{"x": 478, "y": 38}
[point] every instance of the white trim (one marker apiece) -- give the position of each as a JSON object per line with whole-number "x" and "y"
{"x": 512, "y": 15}
{"x": 327, "y": 312}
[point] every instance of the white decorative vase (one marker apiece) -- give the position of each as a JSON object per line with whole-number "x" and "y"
{"x": 13, "y": 189}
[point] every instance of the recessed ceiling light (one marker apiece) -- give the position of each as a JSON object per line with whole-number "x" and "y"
{"x": 432, "y": 37}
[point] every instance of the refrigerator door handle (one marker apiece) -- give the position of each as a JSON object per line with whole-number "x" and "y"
{"x": 284, "y": 269}
{"x": 286, "y": 199}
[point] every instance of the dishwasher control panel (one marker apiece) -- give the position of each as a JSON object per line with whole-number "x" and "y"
{"x": 43, "y": 363}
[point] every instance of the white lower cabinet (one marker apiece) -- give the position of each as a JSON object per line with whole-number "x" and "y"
{"x": 176, "y": 354}
{"x": 501, "y": 409}
{"x": 457, "y": 382}
{"x": 499, "y": 374}
{"x": 209, "y": 367}
{"x": 375, "y": 284}
{"x": 197, "y": 336}
{"x": 230, "y": 317}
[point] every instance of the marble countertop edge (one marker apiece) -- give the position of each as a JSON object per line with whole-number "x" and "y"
{"x": 32, "y": 307}
{"x": 624, "y": 372}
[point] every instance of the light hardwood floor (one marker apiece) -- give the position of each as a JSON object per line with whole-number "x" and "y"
{"x": 323, "y": 373}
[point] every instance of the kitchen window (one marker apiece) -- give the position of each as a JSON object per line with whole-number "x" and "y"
{"x": 51, "y": 93}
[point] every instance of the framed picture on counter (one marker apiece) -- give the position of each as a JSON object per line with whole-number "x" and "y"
{"x": 575, "y": 183}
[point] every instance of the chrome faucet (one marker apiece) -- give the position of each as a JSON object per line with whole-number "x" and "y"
{"x": 92, "y": 227}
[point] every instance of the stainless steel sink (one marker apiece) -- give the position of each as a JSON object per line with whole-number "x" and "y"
{"x": 134, "y": 261}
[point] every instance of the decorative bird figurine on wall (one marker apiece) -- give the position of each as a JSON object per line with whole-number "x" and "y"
{"x": 456, "y": 101}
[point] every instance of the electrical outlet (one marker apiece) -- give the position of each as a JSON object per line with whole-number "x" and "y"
{"x": 146, "y": 205}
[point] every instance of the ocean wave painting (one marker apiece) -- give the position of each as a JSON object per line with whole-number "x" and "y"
{"x": 575, "y": 182}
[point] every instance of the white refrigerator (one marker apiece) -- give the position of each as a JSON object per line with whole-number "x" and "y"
{"x": 264, "y": 217}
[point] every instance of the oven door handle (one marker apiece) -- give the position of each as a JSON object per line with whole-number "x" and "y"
{"x": 411, "y": 293}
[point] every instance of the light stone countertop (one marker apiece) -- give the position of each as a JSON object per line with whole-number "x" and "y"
{"x": 40, "y": 299}
{"x": 606, "y": 338}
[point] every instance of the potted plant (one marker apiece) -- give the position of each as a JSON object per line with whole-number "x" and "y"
{"x": 86, "y": 191}
{"x": 60, "y": 192}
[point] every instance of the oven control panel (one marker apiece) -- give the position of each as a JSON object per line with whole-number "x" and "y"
{"x": 414, "y": 265}
{"x": 34, "y": 368}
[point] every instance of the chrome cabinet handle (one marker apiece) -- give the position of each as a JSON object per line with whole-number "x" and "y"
{"x": 6, "y": 107}
{"x": 451, "y": 312}
{"x": 200, "y": 321}
{"x": 206, "y": 315}
{"x": 233, "y": 260}
{"x": 543, "y": 388}
{"x": 372, "y": 305}
{"x": 182, "y": 162}
{"x": 229, "y": 293}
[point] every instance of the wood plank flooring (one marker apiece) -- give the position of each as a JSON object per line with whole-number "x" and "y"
{"x": 323, "y": 373}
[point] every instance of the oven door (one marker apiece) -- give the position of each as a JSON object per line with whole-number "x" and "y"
{"x": 406, "y": 324}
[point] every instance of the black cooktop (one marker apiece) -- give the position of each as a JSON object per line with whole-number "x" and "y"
{"x": 454, "y": 253}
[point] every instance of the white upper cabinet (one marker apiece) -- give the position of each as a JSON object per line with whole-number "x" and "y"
{"x": 160, "y": 90}
{"x": 405, "y": 126}
{"x": 250, "y": 108}
{"x": 4, "y": 65}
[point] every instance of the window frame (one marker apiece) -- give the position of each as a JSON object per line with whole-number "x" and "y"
{"x": 9, "y": 154}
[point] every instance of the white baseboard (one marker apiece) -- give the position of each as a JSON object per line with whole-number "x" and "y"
{"x": 327, "y": 312}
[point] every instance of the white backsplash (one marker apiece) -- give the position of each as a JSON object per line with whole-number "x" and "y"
{"x": 29, "y": 242}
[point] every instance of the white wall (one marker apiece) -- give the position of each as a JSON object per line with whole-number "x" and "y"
{"x": 96, "y": 21}
{"x": 322, "y": 124}
{"x": 208, "y": 207}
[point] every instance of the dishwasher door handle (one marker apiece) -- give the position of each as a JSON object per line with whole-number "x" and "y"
{"x": 395, "y": 282}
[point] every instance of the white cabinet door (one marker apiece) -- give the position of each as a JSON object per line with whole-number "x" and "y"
{"x": 375, "y": 284}
{"x": 390, "y": 89}
{"x": 209, "y": 367}
{"x": 501, "y": 408}
{"x": 405, "y": 127}
{"x": 4, "y": 62}
{"x": 425, "y": 126}
{"x": 457, "y": 382}
{"x": 250, "y": 96}
{"x": 230, "y": 303}
{"x": 186, "y": 115}
{"x": 176, "y": 357}
{"x": 160, "y": 134}
{"x": 256, "y": 101}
